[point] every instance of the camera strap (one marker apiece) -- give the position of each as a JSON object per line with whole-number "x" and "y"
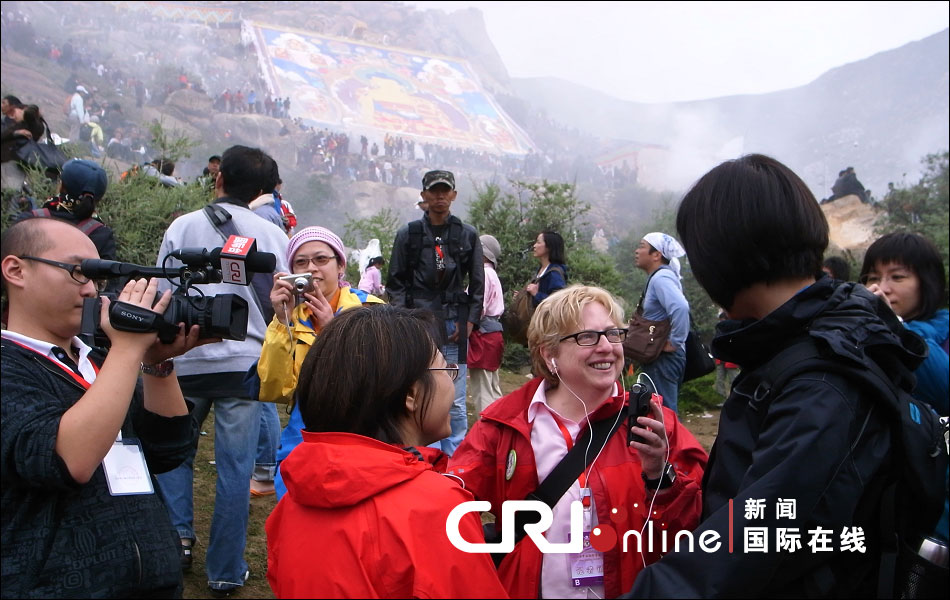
{"x": 221, "y": 220}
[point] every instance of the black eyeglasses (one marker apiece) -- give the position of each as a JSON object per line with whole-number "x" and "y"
{"x": 75, "y": 271}
{"x": 615, "y": 335}
{"x": 452, "y": 369}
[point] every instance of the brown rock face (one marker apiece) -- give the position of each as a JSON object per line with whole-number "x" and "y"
{"x": 851, "y": 223}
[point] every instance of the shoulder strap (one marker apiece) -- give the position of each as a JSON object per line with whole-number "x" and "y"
{"x": 455, "y": 238}
{"x": 569, "y": 469}
{"x": 89, "y": 225}
{"x": 646, "y": 286}
{"x": 41, "y": 212}
{"x": 222, "y": 222}
{"x": 415, "y": 244}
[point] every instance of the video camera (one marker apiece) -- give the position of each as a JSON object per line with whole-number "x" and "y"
{"x": 222, "y": 316}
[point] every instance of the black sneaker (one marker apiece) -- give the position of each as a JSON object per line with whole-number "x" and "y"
{"x": 227, "y": 589}
{"x": 186, "y": 558}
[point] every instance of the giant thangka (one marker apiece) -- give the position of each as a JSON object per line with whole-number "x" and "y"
{"x": 367, "y": 89}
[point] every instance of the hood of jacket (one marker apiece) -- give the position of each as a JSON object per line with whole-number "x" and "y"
{"x": 334, "y": 470}
{"x": 845, "y": 318}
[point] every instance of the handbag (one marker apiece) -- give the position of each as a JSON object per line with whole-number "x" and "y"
{"x": 645, "y": 338}
{"x": 31, "y": 153}
{"x": 699, "y": 361}
{"x": 517, "y": 317}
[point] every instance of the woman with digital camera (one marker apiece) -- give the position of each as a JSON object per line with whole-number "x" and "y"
{"x": 365, "y": 511}
{"x": 316, "y": 256}
{"x": 906, "y": 270}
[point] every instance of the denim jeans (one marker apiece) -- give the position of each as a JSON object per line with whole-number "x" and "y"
{"x": 667, "y": 373}
{"x": 290, "y": 438}
{"x": 236, "y": 433}
{"x": 267, "y": 442}
{"x": 458, "y": 413}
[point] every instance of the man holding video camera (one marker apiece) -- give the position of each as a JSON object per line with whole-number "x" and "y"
{"x": 214, "y": 374}
{"x": 81, "y": 436}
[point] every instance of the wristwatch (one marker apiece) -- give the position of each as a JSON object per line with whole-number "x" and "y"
{"x": 162, "y": 369}
{"x": 666, "y": 480}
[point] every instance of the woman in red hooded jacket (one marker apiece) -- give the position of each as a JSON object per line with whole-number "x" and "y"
{"x": 575, "y": 340}
{"x": 365, "y": 510}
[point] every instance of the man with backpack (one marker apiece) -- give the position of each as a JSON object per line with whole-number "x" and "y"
{"x": 431, "y": 260}
{"x": 823, "y": 462}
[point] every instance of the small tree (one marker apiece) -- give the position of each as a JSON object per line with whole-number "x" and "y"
{"x": 358, "y": 232}
{"x": 172, "y": 144}
{"x": 516, "y": 218}
{"x": 922, "y": 208}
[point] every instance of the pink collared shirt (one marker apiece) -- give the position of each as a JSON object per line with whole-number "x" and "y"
{"x": 550, "y": 447}
{"x": 494, "y": 303}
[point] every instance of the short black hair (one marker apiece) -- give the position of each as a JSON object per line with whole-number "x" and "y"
{"x": 350, "y": 391}
{"x": 555, "y": 245}
{"x": 839, "y": 267}
{"x": 747, "y": 221}
{"x": 921, "y": 256}
{"x": 13, "y": 101}
{"x": 25, "y": 238}
{"x": 248, "y": 173}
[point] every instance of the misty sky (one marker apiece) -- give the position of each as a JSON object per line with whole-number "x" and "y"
{"x": 673, "y": 51}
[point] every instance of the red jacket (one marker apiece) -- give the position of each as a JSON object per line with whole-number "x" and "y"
{"x": 483, "y": 457}
{"x": 364, "y": 519}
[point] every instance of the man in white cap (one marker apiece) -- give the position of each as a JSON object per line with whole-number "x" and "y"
{"x": 77, "y": 112}
{"x": 657, "y": 255}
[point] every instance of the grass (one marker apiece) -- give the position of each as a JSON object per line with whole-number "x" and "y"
{"x": 697, "y": 398}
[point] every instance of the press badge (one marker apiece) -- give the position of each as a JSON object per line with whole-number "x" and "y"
{"x": 125, "y": 468}
{"x": 587, "y": 567}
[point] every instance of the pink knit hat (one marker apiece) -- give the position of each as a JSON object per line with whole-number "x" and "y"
{"x": 317, "y": 234}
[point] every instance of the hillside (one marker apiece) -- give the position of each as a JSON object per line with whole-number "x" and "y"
{"x": 880, "y": 115}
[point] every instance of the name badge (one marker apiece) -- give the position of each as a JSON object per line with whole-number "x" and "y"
{"x": 587, "y": 568}
{"x": 126, "y": 471}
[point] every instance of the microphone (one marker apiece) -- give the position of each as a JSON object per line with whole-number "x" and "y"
{"x": 239, "y": 260}
{"x": 94, "y": 268}
{"x": 254, "y": 260}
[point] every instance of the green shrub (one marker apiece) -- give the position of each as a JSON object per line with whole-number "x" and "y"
{"x": 698, "y": 395}
{"x": 516, "y": 357}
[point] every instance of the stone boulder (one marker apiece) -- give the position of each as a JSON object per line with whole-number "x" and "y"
{"x": 189, "y": 102}
{"x": 851, "y": 223}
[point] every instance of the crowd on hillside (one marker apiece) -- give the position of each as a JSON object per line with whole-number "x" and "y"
{"x": 244, "y": 92}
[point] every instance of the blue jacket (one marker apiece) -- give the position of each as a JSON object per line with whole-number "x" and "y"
{"x": 550, "y": 282}
{"x": 933, "y": 375}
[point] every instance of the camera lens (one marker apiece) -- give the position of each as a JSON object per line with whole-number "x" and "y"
{"x": 300, "y": 284}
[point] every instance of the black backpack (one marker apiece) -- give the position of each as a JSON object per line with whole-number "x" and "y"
{"x": 913, "y": 499}
{"x": 85, "y": 132}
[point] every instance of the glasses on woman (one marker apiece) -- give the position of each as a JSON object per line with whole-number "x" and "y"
{"x": 302, "y": 262}
{"x": 75, "y": 271}
{"x": 615, "y": 335}
{"x": 452, "y": 369}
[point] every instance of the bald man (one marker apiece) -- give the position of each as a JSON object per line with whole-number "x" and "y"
{"x": 80, "y": 438}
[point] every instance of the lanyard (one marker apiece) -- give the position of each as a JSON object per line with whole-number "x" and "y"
{"x": 76, "y": 377}
{"x": 582, "y": 478}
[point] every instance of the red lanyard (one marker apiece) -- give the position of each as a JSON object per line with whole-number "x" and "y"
{"x": 76, "y": 377}
{"x": 582, "y": 478}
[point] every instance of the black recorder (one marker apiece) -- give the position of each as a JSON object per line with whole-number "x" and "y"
{"x": 221, "y": 316}
{"x": 639, "y": 407}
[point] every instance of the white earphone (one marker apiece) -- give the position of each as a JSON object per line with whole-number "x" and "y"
{"x": 553, "y": 364}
